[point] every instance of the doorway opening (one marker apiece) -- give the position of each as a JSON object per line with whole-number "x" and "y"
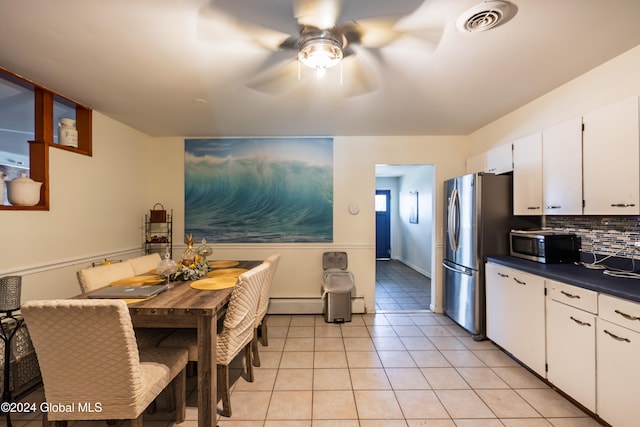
{"x": 405, "y": 222}
{"x": 383, "y": 224}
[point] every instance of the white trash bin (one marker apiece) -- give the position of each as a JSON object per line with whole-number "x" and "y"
{"x": 337, "y": 286}
{"x": 336, "y": 293}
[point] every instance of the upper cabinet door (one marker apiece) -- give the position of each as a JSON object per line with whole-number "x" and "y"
{"x": 611, "y": 160}
{"x": 527, "y": 175}
{"x": 562, "y": 168}
{"x": 500, "y": 159}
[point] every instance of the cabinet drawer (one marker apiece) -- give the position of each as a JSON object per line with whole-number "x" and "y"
{"x": 584, "y": 299}
{"x": 619, "y": 311}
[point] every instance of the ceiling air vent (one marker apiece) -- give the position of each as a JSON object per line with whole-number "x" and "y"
{"x": 486, "y": 16}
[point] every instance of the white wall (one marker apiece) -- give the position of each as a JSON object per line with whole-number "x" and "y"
{"x": 355, "y": 158}
{"x": 417, "y": 242}
{"x": 611, "y": 81}
{"x": 97, "y": 205}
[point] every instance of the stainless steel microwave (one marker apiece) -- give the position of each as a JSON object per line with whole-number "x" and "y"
{"x": 545, "y": 246}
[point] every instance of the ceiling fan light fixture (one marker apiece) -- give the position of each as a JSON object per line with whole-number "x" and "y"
{"x": 320, "y": 53}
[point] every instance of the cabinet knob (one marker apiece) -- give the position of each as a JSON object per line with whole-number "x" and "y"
{"x": 533, "y": 207}
{"x": 554, "y": 207}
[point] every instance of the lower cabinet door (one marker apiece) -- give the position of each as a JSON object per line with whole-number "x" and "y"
{"x": 571, "y": 352}
{"x": 618, "y": 376}
{"x": 516, "y": 314}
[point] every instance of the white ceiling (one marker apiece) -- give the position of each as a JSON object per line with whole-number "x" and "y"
{"x": 174, "y": 68}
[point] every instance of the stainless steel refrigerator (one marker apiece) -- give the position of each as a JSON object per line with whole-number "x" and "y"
{"x": 478, "y": 217}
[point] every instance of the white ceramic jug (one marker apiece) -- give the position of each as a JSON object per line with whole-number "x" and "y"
{"x": 67, "y": 132}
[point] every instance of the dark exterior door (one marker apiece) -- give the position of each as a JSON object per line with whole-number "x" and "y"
{"x": 383, "y": 224}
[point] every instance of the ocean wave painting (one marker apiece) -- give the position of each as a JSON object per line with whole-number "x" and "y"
{"x": 259, "y": 189}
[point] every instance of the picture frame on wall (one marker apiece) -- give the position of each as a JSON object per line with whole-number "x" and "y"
{"x": 413, "y": 206}
{"x": 259, "y": 190}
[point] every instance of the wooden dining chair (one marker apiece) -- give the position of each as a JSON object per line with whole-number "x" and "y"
{"x": 260, "y": 322}
{"x": 235, "y": 335}
{"x": 144, "y": 264}
{"x": 91, "y": 364}
{"x": 93, "y": 278}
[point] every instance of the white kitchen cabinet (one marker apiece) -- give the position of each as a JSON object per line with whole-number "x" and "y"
{"x": 527, "y": 175}
{"x": 571, "y": 341}
{"x": 611, "y": 159}
{"x": 618, "y": 352}
{"x": 562, "y": 168}
{"x": 499, "y": 159}
{"x": 515, "y": 305}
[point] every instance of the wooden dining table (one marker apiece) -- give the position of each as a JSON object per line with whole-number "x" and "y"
{"x": 181, "y": 306}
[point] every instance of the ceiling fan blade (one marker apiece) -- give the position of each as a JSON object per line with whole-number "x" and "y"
{"x": 321, "y": 14}
{"x": 379, "y": 32}
{"x": 429, "y": 36}
{"x": 278, "y": 79}
{"x": 358, "y": 77}
{"x": 275, "y": 15}
{"x": 214, "y": 26}
{"x": 290, "y": 42}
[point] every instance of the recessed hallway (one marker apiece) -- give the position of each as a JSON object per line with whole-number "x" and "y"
{"x": 401, "y": 288}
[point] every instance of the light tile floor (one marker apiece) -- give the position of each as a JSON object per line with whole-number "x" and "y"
{"x": 383, "y": 370}
{"x": 401, "y": 288}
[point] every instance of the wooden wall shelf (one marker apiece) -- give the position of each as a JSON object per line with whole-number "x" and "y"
{"x": 44, "y": 99}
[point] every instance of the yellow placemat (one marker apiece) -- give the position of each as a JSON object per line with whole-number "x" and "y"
{"x": 222, "y": 264}
{"x": 214, "y": 283}
{"x": 138, "y": 280}
{"x": 235, "y": 272}
{"x": 134, "y": 300}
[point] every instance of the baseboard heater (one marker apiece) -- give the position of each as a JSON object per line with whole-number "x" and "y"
{"x": 308, "y": 305}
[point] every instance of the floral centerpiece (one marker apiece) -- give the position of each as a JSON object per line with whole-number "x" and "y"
{"x": 192, "y": 266}
{"x": 193, "y": 271}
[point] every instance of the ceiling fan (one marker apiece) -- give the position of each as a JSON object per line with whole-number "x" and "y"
{"x": 319, "y": 35}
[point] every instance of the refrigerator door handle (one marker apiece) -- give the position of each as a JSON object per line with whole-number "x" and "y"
{"x": 454, "y": 219}
{"x": 462, "y": 270}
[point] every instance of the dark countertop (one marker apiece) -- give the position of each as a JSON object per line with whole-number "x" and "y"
{"x": 578, "y": 275}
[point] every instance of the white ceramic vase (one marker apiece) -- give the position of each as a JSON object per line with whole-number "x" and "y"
{"x": 23, "y": 191}
{"x": 67, "y": 132}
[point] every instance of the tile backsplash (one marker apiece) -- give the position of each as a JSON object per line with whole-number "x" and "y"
{"x": 602, "y": 235}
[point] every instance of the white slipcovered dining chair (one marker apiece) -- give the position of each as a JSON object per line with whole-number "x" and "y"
{"x": 236, "y": 334}
{"x": 260, "y": 322}
{"x": 93, "y": 278}
{"x": 144, "y": 264}
{"x": 87, "y": 353}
